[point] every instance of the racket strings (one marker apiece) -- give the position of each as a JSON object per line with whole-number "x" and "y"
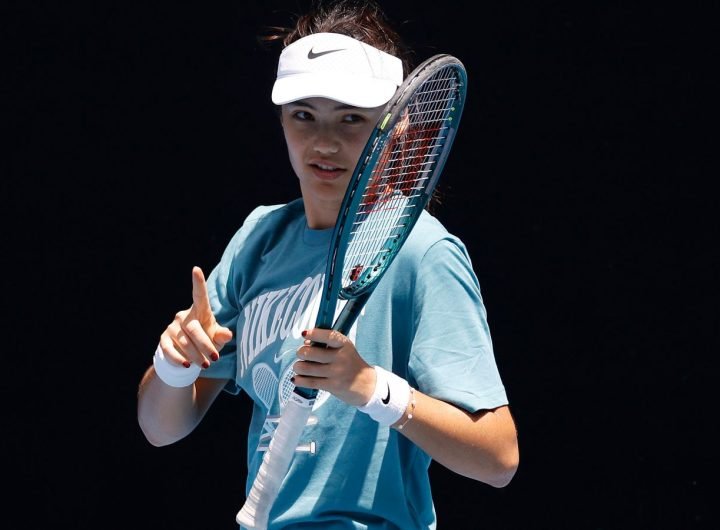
{"x": 398, "y": 181}
{"x": 419, "y": 131}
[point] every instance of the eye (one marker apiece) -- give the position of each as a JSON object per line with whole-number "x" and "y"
{"x": 302, "y": 115}
{"x": 353, "y": 118}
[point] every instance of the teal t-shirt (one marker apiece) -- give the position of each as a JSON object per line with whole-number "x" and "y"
{"x": 425, "y": 321}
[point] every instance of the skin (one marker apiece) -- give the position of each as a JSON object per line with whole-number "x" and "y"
{"x": 324, "y": 140}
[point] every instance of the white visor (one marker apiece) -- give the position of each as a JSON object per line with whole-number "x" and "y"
{"x": 337, "y": 67}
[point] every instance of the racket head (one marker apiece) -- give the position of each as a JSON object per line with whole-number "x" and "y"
{"x": 394, "y": 179}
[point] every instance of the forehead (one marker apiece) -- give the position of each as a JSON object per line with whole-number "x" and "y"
{"x": 330, "y": 107}
{"x": 322, "y": 104}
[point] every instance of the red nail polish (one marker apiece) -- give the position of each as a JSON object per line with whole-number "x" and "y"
{"x": 304, "y": 333}
{"x": 206, "y": 365}
{"x": 214, "y": 356}
{"x": 186, "y": 364}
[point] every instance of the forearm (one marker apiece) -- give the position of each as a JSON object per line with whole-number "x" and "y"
{"x": 482, "y": 446}
{"x": 167, "y": 414}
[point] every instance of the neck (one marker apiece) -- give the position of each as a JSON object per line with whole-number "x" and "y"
{"x": 320, "y": 219}
{"x": 320, "y": 213}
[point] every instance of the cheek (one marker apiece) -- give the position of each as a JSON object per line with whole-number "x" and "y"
{"x": 294, "y": 148}
{"x": 358, "y": 142}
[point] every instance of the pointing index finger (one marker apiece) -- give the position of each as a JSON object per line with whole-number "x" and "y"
{"x": 201, "y": 300}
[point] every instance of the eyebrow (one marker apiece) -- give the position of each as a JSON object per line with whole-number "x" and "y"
{"x": 305, "y": 103}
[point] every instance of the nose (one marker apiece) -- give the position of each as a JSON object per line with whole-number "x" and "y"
{"x": 326, "y": 143}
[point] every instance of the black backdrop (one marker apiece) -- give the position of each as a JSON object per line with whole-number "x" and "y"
{"x": 141, "y": 135}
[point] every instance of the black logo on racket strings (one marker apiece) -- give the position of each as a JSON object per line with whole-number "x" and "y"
{"x": 313, "y": 55}
{"x": 386, "y": 400}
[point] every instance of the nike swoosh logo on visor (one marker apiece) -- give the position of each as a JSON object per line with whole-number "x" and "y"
{"x": 313, "y": 55}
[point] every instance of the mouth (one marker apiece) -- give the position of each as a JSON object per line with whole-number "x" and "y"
{"x": 326, "y": 170}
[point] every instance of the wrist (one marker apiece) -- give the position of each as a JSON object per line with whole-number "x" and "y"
{"x": 172, "y": 374}
{"x": 390, "y": 398}
{"x": 410, "y": 411}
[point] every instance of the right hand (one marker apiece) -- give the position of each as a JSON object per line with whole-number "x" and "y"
{"x": 194, "y": 336}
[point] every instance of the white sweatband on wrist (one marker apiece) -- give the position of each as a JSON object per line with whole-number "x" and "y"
{"x": 172, "y": 374}
{"x": 390, "y": 398}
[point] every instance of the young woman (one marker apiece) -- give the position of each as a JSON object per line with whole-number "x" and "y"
{"x": 415, "y": 380}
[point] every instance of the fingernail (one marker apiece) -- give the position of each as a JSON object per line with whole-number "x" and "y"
{"x": 304, "y": 333}
{"x": 292, "y": 379}
{"x": 214, "y": 356}
{"x": 186, "y": 364}
{"x": 206, "y": 364}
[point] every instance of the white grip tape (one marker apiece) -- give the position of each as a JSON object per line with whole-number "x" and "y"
{"x": 275, "y": 464}
{"x": 172, "y": 374}
{"x": 390, "y": 398}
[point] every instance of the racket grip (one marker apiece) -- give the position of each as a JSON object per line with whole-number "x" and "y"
{"x": 275, "y": 464}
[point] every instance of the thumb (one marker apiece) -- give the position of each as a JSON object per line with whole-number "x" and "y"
{"x": 222, "y": 336}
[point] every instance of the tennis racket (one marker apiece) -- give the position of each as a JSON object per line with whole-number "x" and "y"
{"x": 392, "y": 183}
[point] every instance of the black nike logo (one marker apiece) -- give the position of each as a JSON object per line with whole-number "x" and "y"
{"x": 313, "y": 55}
{"x": 387, "y": 399}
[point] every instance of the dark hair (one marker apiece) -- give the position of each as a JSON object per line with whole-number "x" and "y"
{"x": 362, "y": 20}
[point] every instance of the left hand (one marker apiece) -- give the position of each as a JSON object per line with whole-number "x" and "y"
{"x": 334, "y": 365}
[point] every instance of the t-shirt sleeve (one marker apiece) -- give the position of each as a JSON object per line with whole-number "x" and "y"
{"x": 452, "y": 355}
{"x": 223, "y": 286}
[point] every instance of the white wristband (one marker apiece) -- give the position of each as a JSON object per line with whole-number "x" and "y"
{"x": 172, "y": 374}
{"x": 390, "y": 399}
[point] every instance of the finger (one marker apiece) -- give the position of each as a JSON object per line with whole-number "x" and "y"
{"x": 174, "y": 333}
{"x": 326, "y": 337}
{"x": 190, "y": 350}
{"x": 171, "y": 352}
{"x": 308, "y": 382}
{"x": 316, "y": 353}
{"x": 208, "y": 341}
{"x": 311, "y": 369}
{"x": 222, "y": 336}
{"x": 202, "y": 342}
{"x": 201, "y": 300}
{"x": 183, "y": 342}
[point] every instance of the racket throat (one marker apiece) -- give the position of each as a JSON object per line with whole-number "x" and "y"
{"x": 350, "y": 312}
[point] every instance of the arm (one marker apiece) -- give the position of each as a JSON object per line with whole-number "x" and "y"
{"x": 168, "y": 413}
{"x": 481, "y": 445}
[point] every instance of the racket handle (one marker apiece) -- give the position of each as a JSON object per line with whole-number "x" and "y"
{"x": 275, "y": 464}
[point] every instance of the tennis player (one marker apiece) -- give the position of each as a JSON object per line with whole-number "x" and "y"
{"x": 415, "y": 379}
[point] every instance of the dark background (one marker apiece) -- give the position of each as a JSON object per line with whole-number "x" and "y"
{"x": 141, "y": 134}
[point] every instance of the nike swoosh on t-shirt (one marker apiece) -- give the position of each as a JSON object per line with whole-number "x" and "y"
{"x": 279, "y": 356}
